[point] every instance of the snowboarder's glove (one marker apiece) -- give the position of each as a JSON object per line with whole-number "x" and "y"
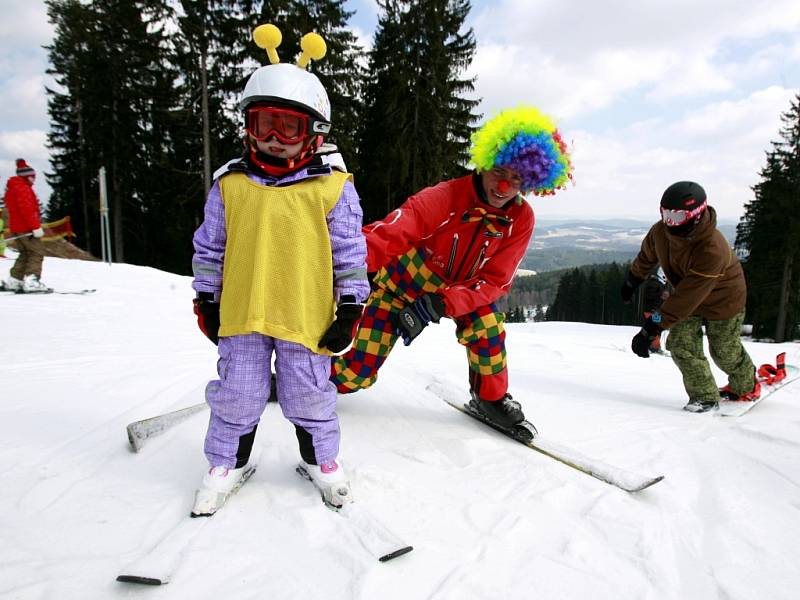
{"x": 38, "y": 232}
{"x": 343, "y": 329}
{"x": 207, "y": 312}
{"x": 629, "y": 287}
{"x": 410, "y": 321}
{"x": 640, "y": 344}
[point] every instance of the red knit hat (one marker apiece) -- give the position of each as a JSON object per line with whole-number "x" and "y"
{"x": 24, "y": 169}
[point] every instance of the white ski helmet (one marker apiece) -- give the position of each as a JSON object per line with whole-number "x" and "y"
{"x": 288, "y": 84}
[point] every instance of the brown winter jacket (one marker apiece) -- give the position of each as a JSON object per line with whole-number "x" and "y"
{"x": 707, "y": 277}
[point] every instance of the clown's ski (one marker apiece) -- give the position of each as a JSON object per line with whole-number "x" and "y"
{"x": 625, "y": 480}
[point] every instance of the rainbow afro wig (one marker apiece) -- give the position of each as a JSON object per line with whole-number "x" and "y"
{"x": 526, "y": 141}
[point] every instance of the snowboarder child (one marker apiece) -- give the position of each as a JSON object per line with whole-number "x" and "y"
{"x": 709, "y": 291}
{"x": 452, "y": 250}
{"x": 24, "y": 219}
{"x": 279, "y": 267}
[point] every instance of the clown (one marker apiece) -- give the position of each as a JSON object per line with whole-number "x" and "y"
{"x": 279, "y": 269}
{"x": 452, "y": 250}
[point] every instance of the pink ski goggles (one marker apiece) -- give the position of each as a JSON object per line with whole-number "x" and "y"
{"x": 676, "y": 217}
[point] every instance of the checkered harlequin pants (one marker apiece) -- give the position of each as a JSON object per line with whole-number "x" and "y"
{"x": 399, "y": 284}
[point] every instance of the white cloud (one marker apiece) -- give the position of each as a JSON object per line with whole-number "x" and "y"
{"x": 712, "y": 78}
{"x": 24, "y": 24}
{"x": 588, "y": 60}
{"x": 721, "y": 146}
{"x": 23, "y": 99}
{"x": 29, "y": 145}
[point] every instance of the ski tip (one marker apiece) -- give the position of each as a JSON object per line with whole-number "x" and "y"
{"x": 140, "y": 579}
{"x": 396, "y": 553}
{"x": 647, "y": 484}
{"x": 133, "y": 439}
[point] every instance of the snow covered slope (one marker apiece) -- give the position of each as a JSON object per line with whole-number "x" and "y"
{"x": 488, "y": 518}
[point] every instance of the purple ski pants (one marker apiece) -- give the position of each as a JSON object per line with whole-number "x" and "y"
{"x": 238, "y": 398}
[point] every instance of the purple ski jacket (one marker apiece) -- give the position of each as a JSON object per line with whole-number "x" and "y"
{"x": 344, "y": 226}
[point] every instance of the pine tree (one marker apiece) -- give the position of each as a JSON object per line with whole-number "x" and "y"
{"x": 112, "y": 112}
{"x": 768, "y": 234}
{"x": 593, "y": 298}
{"x": 70, "y": 178}
{"x": 212, "y": 46}
{"x": 418, "y": 121}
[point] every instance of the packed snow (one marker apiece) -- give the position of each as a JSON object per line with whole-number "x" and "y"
{"x": 488, "y": 518}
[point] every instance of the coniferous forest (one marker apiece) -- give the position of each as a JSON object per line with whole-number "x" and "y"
{"x": 148, "y": 90}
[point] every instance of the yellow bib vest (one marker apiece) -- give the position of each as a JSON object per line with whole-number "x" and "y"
{"x": 277, "y": 276}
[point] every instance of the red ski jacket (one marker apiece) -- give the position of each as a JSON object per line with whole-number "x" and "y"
{"x": 474, "y": 247}
{"x": 22, "y": 206}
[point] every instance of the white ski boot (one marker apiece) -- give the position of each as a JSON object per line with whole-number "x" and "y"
{"x": 330, "y": 480}
{"x": 32, "y": 285}
{"x": 12, "y": 284}
{"x": 217, "y": 486}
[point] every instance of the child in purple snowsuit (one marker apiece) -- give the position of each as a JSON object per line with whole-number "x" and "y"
{"x": 279, "y": 266}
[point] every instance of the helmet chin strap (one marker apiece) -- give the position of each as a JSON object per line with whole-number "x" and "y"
{"x": 268, "y": 163}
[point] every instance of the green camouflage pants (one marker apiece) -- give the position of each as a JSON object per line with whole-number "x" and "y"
{"x": 685, "y": 342}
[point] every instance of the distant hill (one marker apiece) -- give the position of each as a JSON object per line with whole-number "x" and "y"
{"x": 561, "y": 244}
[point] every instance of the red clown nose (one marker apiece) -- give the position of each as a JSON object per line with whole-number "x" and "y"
{"x": 503, "y": 186}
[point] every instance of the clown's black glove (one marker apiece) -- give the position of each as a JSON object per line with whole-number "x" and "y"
{"x": 410, "y": 321}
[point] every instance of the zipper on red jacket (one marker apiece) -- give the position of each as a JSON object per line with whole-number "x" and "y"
{"x": 478, "y": 229}
{"x": 452, "y": 255}
{"x": 479, "y": 259}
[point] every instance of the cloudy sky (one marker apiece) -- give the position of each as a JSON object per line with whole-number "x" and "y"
{"x": 646, "y": 92}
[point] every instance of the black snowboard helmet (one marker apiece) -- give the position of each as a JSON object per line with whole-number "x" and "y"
{"x": 682, "y": 206}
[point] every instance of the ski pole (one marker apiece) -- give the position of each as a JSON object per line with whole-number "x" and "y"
{"x": 16, "y": 237}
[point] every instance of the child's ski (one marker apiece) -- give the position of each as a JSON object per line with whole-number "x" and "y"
{"x": 373, "y": 535}
{"x": 157, "y": 566}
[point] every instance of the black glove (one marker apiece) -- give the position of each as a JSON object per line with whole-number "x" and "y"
{"x": 371, "y": 278}
{"x": 207, "y": 312}
{"x": 640, "y": 344}
{"x": 343, "y": 329}
{"x": 410, "y": 321}
{"x": 629, "y": 287}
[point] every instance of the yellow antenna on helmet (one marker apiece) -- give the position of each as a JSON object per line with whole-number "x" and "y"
{"x": 269, "y": 37}
{"x": 313, "y": 47}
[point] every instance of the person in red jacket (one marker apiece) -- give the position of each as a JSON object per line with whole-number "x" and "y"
{"x": 452, "y": 250}
{"x": 24, "y": 218}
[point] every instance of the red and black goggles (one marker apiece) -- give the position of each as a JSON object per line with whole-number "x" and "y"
{"x": 677, "y": 217}
{"x": 287, "y": 125}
